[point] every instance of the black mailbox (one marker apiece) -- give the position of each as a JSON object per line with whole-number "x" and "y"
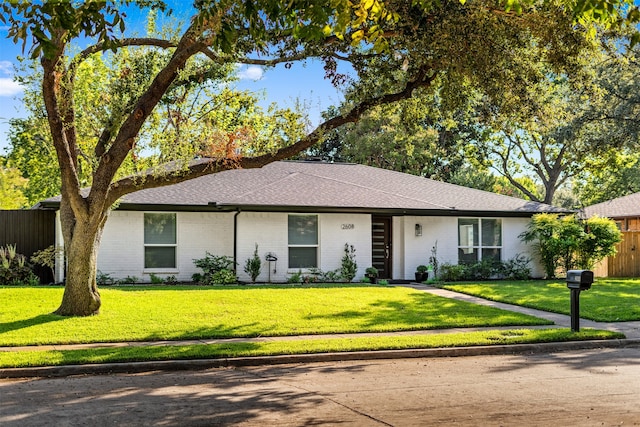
{"x": 579, "y": 279}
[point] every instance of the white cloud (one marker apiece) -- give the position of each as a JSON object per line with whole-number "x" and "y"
{"x": 252, "y": 72}
{"x": 8, "y": 87}
{"x": 6, "y": 68}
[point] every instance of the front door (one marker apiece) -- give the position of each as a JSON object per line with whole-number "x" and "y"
{"x": 381, "y": 245}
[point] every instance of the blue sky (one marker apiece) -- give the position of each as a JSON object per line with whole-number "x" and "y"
{"x": 283, "y": 86}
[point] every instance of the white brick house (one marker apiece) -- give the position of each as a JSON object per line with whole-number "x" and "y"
{"x": 304, "y": 213}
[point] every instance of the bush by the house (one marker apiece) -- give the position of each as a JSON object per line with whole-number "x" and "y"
{"x": 516, "y": 268}
{"x": 569, "y": 242}
{"x": 452, "y": 272}
{"x": 14, "y": 268}
{"x": 46, "y": 258}
{"x": 104, "y": 279}
{"x": 252, "y": 265}
{"x": 349, "y": 266}
{"x": 216, "y": 270}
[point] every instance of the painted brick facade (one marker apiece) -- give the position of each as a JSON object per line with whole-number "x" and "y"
{"x": 270, "y": 232}
{"x": 122, "y": 248}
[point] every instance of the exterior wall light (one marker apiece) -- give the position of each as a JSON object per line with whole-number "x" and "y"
{"x": 418, "y": 229}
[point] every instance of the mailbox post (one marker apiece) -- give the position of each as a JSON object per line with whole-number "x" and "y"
{"x": 577, "y": 281}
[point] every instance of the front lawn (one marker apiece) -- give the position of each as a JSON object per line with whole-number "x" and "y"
{"x": 608, "y": 300}
{"x": 306, "y": 346}
{"x": 173, "y": 313}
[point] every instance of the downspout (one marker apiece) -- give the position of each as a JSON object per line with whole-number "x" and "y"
{"x": 235, "y": 241}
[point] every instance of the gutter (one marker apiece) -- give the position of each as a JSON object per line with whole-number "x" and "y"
{"x": 235, "y": 242}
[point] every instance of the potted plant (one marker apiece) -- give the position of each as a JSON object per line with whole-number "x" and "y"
{"x": 422, "y": 273}
{"x": 372, "y": 274}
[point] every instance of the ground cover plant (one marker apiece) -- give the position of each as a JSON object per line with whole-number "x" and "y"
{"x": 139, "y": 313}
{"x": 252, "y": 349}
{"x": 608, "y": 300}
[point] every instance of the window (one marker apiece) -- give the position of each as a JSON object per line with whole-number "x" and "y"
{"x": 160, "y": 240}
{"x": 479, "y": 239}
{"x": 303, "y": 241}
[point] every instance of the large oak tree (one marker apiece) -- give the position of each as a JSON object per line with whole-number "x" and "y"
{"x": 407, "y": 45}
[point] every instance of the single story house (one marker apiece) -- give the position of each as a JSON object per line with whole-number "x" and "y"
{"x": 302, "y": 213}
{"x": 625, "y": 211}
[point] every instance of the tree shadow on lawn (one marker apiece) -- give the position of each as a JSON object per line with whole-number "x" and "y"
{"x": 433, "y": 312}
{"x": 26, "y": 323}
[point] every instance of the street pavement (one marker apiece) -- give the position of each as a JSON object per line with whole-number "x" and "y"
{"x": 599, "y": 387}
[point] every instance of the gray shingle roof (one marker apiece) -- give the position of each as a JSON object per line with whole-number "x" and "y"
{"x": 337, "y": 186}
{"x": 616, "y": 208}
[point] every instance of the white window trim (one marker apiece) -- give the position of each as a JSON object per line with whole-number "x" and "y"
{"x": 317, "y": 246}
{"x": 170, "y": 270}
{"x": 480, "y": 246}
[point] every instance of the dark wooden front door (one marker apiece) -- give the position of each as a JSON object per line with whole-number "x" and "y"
{"x": 381, "y": 245}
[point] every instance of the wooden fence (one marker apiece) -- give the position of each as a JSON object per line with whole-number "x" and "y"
{"x": 30, "y": 231}
{"x": 626, "y": 263}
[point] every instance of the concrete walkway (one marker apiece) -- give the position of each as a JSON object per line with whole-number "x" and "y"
{"x": 631, "y": 330}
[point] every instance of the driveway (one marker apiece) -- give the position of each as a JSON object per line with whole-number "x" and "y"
{"x": 574, "y": 388}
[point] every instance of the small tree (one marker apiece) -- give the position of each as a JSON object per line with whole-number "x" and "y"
{"x": 349, "y": 266}
{"x": 570, "y": 242}
{"x": 600, "y": 242}
{"x": 543, "y": 230}
{"x": 252, "y": 265}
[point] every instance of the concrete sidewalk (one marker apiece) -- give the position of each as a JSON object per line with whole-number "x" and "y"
{"x": 631, "y": 330}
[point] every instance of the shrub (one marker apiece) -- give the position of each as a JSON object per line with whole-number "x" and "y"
{"x": 517, "y": 268}
{"x": 171, "y": 280}
{"x": 156, "y": 280}
{"x": 46, "y": 258}
{"x": 483, "y": 270}
{"x": 422, "y": 268}
{"x": 335, "y": 276}
{"x": 568, "y": 242}
{"x": 295, "y": 277}
{"x": 14, "y": 268}
{"x": 317, "y": 275}
{"x": 129, "y": 280}
{"x": 104, "y": 279}
{"x": 349, "y": 266}
{"x": 217, "y": 270}
{"x": 452, "y": 272}
{"x": 252, "y": 265}
{"x": 224, "y": 277}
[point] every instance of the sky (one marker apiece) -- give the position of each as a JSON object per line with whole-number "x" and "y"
{"x": 305, "y": 83}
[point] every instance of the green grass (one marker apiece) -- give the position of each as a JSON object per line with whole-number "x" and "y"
{"x": 608, "y": 300}
{"x": 174, "y": 313}
{"x": 307, "y": 346}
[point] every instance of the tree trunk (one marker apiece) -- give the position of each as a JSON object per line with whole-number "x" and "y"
{"x": 81, "y": 296}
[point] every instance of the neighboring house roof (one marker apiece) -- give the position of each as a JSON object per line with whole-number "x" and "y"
{"x": 325, "y": 187}
{"x": 617, "y": 208}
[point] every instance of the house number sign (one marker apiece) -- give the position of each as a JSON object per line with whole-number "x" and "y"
{"x": 348, "y": 226}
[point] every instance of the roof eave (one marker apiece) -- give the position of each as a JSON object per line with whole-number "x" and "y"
{"x": 215, "y": 207}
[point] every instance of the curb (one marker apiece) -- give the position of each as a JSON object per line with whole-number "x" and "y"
{"x": 197, "y": 364}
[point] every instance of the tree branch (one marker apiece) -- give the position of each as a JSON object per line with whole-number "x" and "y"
{"x": 175, "y": 174}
